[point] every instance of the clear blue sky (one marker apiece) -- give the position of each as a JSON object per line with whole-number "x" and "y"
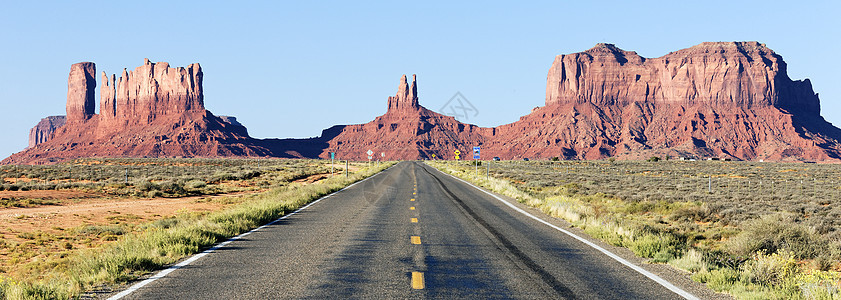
{"x": 291, "y": 69}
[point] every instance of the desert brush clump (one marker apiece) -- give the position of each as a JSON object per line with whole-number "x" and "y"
{"x": 754, "y": 230}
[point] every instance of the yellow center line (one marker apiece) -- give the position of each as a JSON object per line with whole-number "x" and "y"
{"x": 416, "y": 240}
{"x": 412, "y": 208}
{"x": 417, "y": 280}
{"x": 414, "y": 220}
{"x": 413, "y": 199}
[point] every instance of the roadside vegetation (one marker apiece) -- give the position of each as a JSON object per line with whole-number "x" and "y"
{"x": 155, "y": 177}
{"x": 61, "y": 263}
{"x": 754, "y": 230}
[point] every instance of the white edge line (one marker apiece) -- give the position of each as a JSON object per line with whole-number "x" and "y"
{"x": 639, "y": 269}
{"x": 195, "y": 257}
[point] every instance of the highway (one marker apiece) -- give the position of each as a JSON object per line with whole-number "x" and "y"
{"x": 408, "y": 232}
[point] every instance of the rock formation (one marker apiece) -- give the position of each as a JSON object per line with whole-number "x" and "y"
{"x": 724, "y": 99}
{"x": 743, "y": 74}
{"x": 406, "y": 131}
{"x": 80, "y": 92}
{"x": 153, "y": 111}
{"x": 44, "y": 129}
{"x": 150, "y": 91}
{"x": 406, "y": 98}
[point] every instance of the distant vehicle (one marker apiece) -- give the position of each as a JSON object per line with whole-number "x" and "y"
{"x": 496, "y": 158}
{"x": 525, "y": 159}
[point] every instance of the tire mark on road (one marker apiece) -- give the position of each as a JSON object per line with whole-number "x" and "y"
{"x": 547, "y": 278}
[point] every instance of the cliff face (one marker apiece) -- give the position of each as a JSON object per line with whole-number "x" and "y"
{"x": 742, "y": 74}
{"x": 81, "y": 86}
{"x": 729, "y": 100}
{"x": 150, "y": 91}
{"x": 44, "y": 129}
{"x": 153, "y": 111}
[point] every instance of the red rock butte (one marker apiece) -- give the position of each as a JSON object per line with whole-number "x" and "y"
{"x": 726, "y": 100}
{"x": 722, "y": 100}
{"x": 153, "y": 111}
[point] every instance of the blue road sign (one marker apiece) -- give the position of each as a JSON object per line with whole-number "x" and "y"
{"x": 476, "y": 152}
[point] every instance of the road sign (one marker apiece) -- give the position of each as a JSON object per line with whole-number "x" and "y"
{"x": 476, "y": 152}
{"x": 457, "y": 154}
{"x": 370, "y": 154}
{"x": 332, "y": 155}
{"x": 382, "y": 154}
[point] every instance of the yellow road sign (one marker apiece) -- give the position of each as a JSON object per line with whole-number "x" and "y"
{"x": 457, "y": 152}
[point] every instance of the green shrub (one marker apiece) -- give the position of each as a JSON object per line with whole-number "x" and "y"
{"x": 661, "y": 247}
{"x": 770, "y": 270}
{"x": 146, "y": 186}
{"x": 196, "y": 184}
{"x": 171, "y": 187}
{"x": 102, "y": 230}
{"x": 692, "y": 261}
{"x": 221, "y": 176}
{"x": 773, "y": 233}
{"x": 718, "y": 279}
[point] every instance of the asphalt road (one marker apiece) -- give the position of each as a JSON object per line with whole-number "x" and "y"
{"x": 373, "y": 241}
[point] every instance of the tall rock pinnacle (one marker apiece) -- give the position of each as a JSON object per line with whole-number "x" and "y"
{"x": 407, "y": 97}
{"x": 81, "y": 88}
{"x": 107, "y": 91}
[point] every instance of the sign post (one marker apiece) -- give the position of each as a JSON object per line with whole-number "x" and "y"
{"x": 476, "y": 157}
{"x": 370, "y": 155}
{"x": 332, "y": 159}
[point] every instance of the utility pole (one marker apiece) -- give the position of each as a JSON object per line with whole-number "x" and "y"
{"x": 488, "y": 171}
{"x": 710, "y": 185}
{"x": 126, "y": 175}
{"x": 347, "y": 169}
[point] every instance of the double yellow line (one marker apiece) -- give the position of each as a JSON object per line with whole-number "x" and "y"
{"x": 417, "y": 277}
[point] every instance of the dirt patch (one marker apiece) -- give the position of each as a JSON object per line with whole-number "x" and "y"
{"x": 101, "y": 210}
{"x": 312, "y": 178}
{"x": 42, "y": 233}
